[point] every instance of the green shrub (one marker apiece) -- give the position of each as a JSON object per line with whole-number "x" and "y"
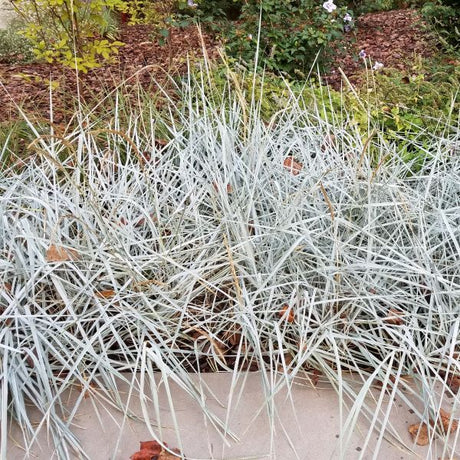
{"x": 294, "y": 34}
{"x": 228, "y": 9}
{"x": 71, "y": 32}
{"x": 404, "y": 100}
{"x": 444, "y": 17}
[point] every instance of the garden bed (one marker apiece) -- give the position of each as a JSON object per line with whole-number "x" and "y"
{"x": 393, "y": 38}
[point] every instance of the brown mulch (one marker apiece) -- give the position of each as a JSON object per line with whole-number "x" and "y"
{"x": 393, "y": 38}
{"x": 141, "y": 61}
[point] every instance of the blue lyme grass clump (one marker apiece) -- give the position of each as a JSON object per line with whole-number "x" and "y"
{"x": 212, "y": 240}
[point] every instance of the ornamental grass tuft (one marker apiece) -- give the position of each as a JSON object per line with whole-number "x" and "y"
{"x": 209, "y": 240}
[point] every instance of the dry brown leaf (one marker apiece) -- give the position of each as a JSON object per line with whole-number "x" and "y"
{"x": 60, "y": 254}
{"x": 328, "y": 142}
{"x": 161, "y": 142}
{"x": 216, "y": 345}
{"x": 287, "y": 360}
{"x": 446, "y": 421}
{"x": 151, "y": 445}
{"x": 234, "y": 339}
{"x": 152, "y": 450}
{"x": 86, "y": 392}
{"x": 228, "y": 187}
{"x": 454, "y": 383}
{"x": 419, "y": 433}
{"x": 233, "y": 336}
{"x": 315, "y": 377}
{"x": 287, "y": 314}
{"x": 142, "y": 220}
{"x": 293, "y": 166}
{"x": 105, "y": 294}
{"x": 146, "y": 156}
{"x": 394, "y": 317}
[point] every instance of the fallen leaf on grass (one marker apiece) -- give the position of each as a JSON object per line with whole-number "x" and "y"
{"x": 293, "y": 166}
{"x": 151, "y": 445}
{"x": 328, "y": 142}
{"x": 152, "y": 450}
{"x": 233, "y": 336}
{"x": 140, "y": 222}
{"x": 160, "y": 143}
{"x": 105, "y": 294}
{"x": 228, "y": 187}
{"x": 394, "y": 317}
{"x": 59, "y": 254}
{"x": 315, "y": 377}
{"x": 287, "y": 314}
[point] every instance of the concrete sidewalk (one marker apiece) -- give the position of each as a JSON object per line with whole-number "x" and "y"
{"x": 6, "y": 13}
{"x": 306, "y": 425}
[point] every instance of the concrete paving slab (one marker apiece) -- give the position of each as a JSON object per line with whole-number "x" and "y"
{"x": 6, "y": 14}
{"x": 303, "y": 424}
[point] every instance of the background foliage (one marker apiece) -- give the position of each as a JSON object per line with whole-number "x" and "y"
{"x": 74, "y": 33}
{"x": 444, "y": 16}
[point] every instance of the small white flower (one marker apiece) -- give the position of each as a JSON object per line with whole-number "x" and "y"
{"x": 250, "y": 37}
{"x": 347, "y": 18}
{"x": 191, "y": 4}
{"x": 377, "y": 66}
{"x": 329, "y": 6}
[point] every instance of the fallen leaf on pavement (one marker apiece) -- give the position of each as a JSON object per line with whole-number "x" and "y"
{"x": 419, "y": 433}
{"x": 446, "y": 421}
{"x": 152, "y": 450}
